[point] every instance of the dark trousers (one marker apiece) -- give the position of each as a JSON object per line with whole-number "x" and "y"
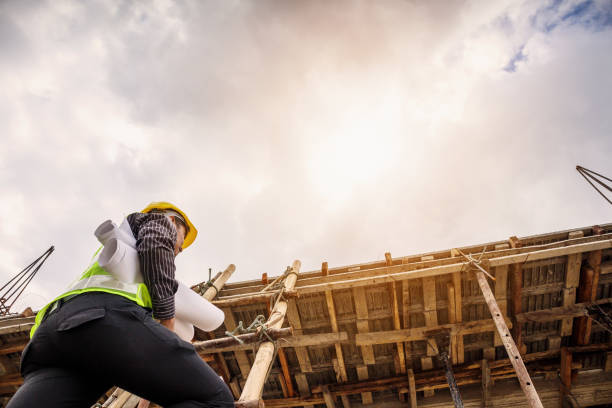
{"x": 97, "y": 340}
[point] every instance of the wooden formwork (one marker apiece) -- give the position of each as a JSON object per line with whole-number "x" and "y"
{"x": 370, "y": 334}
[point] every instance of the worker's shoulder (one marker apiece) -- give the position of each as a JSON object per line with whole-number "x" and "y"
{"x": 138, "y": 219}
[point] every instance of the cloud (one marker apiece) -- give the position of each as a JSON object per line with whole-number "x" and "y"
{"x": 324, "y": 131}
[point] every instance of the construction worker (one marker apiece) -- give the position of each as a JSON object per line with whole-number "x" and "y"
{"x": 101, "y": 333}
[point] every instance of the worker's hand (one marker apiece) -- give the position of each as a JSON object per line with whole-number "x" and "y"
{"x": 169, "y": 324}
{"x": 143, "y": 403}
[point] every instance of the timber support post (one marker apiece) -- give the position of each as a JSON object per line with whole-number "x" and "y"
{"x": 450, "y": 379}
{"x": 253, "y": 388}
{"x": 514, "y": 355}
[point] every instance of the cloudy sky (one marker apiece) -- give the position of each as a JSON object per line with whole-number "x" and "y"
{"x": 313, "y": 130}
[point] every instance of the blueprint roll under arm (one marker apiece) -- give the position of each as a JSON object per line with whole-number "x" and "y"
{"x": 120, "y": 258}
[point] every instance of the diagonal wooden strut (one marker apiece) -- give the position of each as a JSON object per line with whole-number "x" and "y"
{"x": 515, "y": 357}
{"x": 253, "y": 388}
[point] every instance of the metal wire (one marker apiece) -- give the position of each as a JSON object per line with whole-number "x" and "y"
{"x": 586, "y": 172}
{"x": 20, "y": 282}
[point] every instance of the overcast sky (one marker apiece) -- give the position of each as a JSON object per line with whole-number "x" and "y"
{"x": 313, "y": 130}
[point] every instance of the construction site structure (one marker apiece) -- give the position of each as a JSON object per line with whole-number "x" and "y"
{"x": 518, "y": 322}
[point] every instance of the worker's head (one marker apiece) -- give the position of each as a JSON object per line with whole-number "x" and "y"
{"x": 185, "y": 230}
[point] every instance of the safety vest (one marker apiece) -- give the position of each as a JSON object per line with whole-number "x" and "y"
{"x": 96, "y": 279}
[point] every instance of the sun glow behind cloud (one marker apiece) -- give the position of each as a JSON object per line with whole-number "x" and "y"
{"x": 308, "y": 130}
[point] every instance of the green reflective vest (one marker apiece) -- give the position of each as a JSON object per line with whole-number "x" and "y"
{"x": 96, "y": 279}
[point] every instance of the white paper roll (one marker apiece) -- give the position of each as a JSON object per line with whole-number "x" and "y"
{"x": 191, "y": 307}
{"x": 120, "y": 258}
{"x": 121, "y": 261}
{"x": 184, "y": 330}
{"x": 108, "y": 230}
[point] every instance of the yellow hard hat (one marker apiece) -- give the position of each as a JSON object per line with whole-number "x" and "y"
{"x": 192, "y": 232}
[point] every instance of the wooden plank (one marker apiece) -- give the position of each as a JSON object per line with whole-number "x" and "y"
{"x": 421, "y": 333}
{"x": 282, "y": 358}
{"x": 406, "y": 323}
{"x": 561, "y": 312}
{"x": 426, "y": 365}
{"x": 253, "y": 388}
{"x": 550, "y": 253}
{"x": 516, "y": 276}
{"x": 430, "y": 313}
{"x": 293, "y": 317}
{"x": 397, "y": 325}
{"x": 362, "y": 374}
{"x": 324, "y": 269}
{"x": 328, "y": 398}
{"x": 302, "y": 383}
{"x": 587, "y": 291}
{"x": 572, "y": 280}
{"x": 501, "y": 295}
{"x": 515, "y": 357}
{"x": 565, "y": 373}
{"x": 361, "y": 310}
{"x": 412, "y": 389}
{"x": 305, "y": 340}
{"x": 389, "y": 274}
{"x": 485, "y": 383}
{"x": 460, "y": 354}
{"x": 341, "y": 375}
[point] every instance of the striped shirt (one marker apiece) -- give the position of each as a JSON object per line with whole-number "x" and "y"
{"x": 155, "y": 237}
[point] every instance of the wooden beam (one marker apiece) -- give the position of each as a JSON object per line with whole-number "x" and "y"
{"x": 485, "y": 383}
{"x": 242, "y": 300}
{"x": 516, "y": 274}
{"x": 227, "y": 343}
{"x": 406, "y": 304}
{"x": 422, "y": 333}
{"x": 253, "y": 388}
{"x": 388, "y": 274}
{"x": 362, "y": 374}
{"x": 218, "y": 283}
{"x": 324, "y": 269}
{"x": 515, "y": 357}
{"x": 397, "y": 325}
{"x": 590, "y": 390}
{"x": 565, "y": 373}
{"x": 285, "y": 371}
{"x": 361, "y": 310}
{"x": 587, "y": 292}
{"x": 328, "y": 398}
{"x": 302, "y": 383}
{"x": 562, "y": 312}
{"x": 501, "y": 296}
{"x": 431, "y": 320}
{"x": 293, "y": 316}
{"x": 412, "y": 389}
{"x": 341, "y": 374}
{"x": 572, "y": 280}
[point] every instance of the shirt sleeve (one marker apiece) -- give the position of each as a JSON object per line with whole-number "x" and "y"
{"x": 155, "y": 237}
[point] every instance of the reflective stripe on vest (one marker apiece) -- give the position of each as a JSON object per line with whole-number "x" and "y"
{"x": 96, "y": 279}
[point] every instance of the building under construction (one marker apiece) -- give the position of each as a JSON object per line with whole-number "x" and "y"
{"x": 524, "y": 321}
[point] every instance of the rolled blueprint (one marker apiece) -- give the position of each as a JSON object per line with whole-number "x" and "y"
{"x": 120, "y": 258}
{"x": 184, "y": 329}
{"x": 191, "y": 307}
{"x": 108, "y": 230}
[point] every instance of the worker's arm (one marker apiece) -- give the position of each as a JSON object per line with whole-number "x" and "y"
{"x": 155, "y": 237}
